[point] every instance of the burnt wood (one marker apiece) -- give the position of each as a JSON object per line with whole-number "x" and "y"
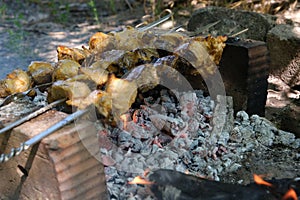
{"x": 169, "y": 184}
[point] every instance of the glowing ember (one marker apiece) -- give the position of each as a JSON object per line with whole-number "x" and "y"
{"x": 146, "y": 172}
{"x": 258, "y": 180}
{"x": 290, "y": 195}
{"x": 125, "y": 118}
{"x": 140, "y": 180}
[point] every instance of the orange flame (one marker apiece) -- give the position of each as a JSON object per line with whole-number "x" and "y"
{"x": 124, "y": 119}
{"x": 140, "y": 180}
{"x": 290, "y": 194}
{"x": 258, "y": 180}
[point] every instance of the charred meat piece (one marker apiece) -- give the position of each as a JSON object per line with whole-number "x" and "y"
{"x": 108, "y": 60}
{"x": 16, "y": 81}
{"x": 65, "y": 69}
{"x": 96, "y": 74}
{"x": 145, "y": 77}
{"x": 41, "y": 72}
{"x": 100, "y": 42}
{"x": 75, "y": 54}
{"x": 72, "y": 90}
{"x": 137, "y": 57}
{"x": 214, "y": 46}
{"x": 97, "y": 98}
{"x": 131, "y": 39}
{"x": 196, "y": 54}
{"x": 123, "y": 93}
{"x": 3, "y": 91}
{"x": 169, "y": 41}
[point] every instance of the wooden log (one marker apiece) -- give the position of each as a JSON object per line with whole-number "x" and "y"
{"x": 59, "y": 167}
{"x": 169, "y": 184}
{"x": 244, "y": 68}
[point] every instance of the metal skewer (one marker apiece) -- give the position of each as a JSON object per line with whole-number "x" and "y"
{"x": 165, "y": 18}
{"x": 14, "y": 96}
{"x": 18, "y": 95}
{"x": 30, "y": 116}
{"x": 238, "y": 33}
{"x": 202, "y": 29}
{"x": 25, "y": 145}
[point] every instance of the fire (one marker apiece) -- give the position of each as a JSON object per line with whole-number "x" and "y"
{"x": 258, "y": 180}
{"x": 125, "y": 118}
{"x": 290, "y": 195}
{"x": 140, "y": 180}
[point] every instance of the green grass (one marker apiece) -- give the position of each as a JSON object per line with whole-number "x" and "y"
{"x": 16, "y": 33}
{"x": 112, "y": 6}
{"x": 94, "y": 11}
{"x": 59, "y": 15}
{"x": 3, "y": 10}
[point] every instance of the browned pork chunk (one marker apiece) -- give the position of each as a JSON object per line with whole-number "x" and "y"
{"x": 41, "y": 72}
{"x": 72, "y": 90}
{"x": 65, "y": 69}
{"x": 16, "y": 81}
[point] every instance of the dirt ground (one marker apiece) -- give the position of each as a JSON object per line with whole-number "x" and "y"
{"x": 31, "y": 32}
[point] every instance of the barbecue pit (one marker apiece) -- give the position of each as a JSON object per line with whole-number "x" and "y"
{"x": 73, "y": 171}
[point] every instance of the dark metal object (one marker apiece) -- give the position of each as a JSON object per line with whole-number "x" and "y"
{"x": 24, "y": 146}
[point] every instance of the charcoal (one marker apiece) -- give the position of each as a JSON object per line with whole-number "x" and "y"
{"x": 137, "y": 146}
{"x": 124, "y": 139}
{"x": 242, "y": 116}
{"x": 117, "y": 156}
{"x": 247, "y": 132}
{"x": 285, "y": 138}
{"x": 181, "y": 131}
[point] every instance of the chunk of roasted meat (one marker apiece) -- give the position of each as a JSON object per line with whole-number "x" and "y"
{"x": 115, "y": 66}
{"x": 16, "y": 81}
{"x": 65, "y": 69}
{"x": 71, "y": 90}
{"x": 41, "y": 72}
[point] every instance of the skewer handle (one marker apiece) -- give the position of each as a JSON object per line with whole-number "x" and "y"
{"x": 13, "y": 152}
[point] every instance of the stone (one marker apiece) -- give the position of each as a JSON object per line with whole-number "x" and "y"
{"x": 291, "y": 118}
{"x": 231, "y": 21}
{"x": 283, "y": 42}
